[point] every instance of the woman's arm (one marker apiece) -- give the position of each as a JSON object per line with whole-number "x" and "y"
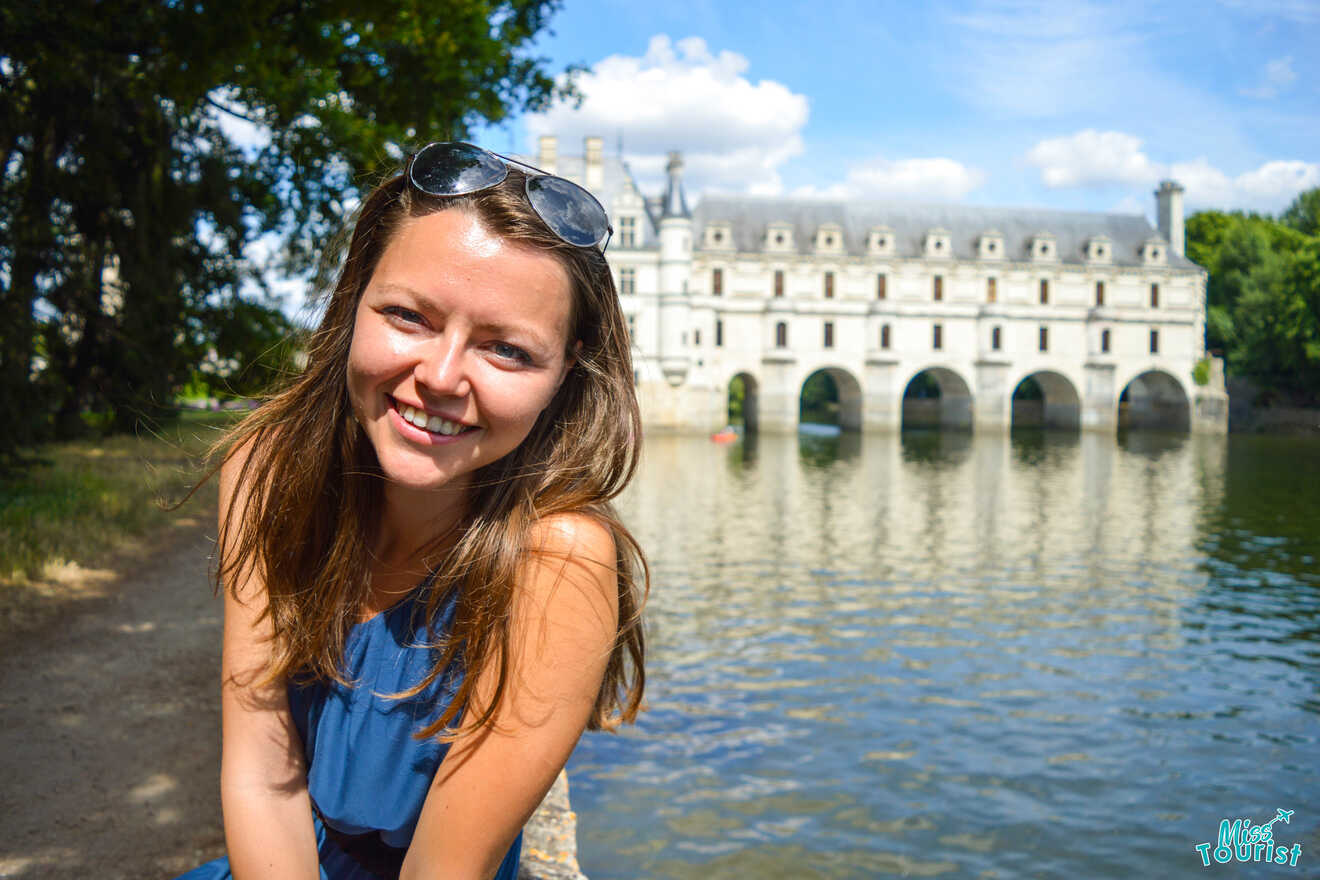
{"x": 263, "y": 777}
{"x": 565, "y": 618}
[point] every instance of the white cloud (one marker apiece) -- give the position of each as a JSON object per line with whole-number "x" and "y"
{"x": 1093, "y": 159}
{"x": 920, "y": 179}
{"x": 1279, "y": 74}
{"x": 734, "y": 132}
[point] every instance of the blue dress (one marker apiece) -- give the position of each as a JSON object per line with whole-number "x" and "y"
{"x": 366, "y": 774}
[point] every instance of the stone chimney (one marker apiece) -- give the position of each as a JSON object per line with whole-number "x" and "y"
{"x": 547, "y": 153}
{"x": 593, "y": 148}
{"x": 1169, "y": 210}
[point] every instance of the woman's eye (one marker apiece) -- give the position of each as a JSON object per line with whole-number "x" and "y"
{"x": 511, "y": 352}
{"x": 402, "y": 314}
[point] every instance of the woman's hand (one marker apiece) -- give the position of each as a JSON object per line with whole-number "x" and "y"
{"x": 565, "y": 618}
{"x": 263, "y": 777}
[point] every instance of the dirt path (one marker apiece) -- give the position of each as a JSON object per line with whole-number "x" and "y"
{"x": 110, "y": 742}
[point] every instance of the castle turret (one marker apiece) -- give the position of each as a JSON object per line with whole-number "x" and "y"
{"x": 675, "y": 270}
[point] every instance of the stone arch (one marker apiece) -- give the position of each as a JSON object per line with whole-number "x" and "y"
{"x": 751, "y": 399}
{"x": 849, "y": 395}
{"x": 1059, "y": 406}
{"x": 951, "y": 406}
{"x": 1154, "y": 400}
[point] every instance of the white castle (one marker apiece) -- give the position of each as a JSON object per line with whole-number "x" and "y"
{"x": 1103, "y": 311}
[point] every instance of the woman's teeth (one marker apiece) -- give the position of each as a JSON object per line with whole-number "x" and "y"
{"x": 434, "y": 424}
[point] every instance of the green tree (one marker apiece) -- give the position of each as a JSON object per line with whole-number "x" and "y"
{"x": 1304, "y": 213}
{"x": 127, "y": 205}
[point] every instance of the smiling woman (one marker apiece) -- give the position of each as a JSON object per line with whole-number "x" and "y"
{"x": 428, "y": 594}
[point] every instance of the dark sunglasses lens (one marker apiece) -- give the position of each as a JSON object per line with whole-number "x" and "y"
{"x": 570, "y": 211}
{"x": 455, "y": 169}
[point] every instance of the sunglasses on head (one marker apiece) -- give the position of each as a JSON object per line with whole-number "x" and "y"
{"x": 459, "y": 169}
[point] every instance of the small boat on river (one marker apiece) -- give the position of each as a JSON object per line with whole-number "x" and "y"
{"x": 724, "y": 435}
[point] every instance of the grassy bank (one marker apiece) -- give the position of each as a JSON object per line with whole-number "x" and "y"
{"x": 88, "y": 501}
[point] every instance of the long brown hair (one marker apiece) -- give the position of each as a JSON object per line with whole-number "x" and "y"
{"x": 314, "y": 488}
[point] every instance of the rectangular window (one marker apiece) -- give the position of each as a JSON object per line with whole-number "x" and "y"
{"x": 781, "y": 335}
{"x": 829, "y": 334}
{"x": 632, "y": 326}
{"x": 1154, "y": 342}
{"x": 829, "y": 285}
{"x": 1044, "y": 338}
{"x": 1104, "y": 342}
{"x": 996, "y": 338}
{"x": 717, "y": 282}
{"x": 779, "y": 282}
{"x": 1154, "y": 296}
{"x": 696, "y": 338}
{"x": 880, "y": 292}
{"x": 991, "y": 290}
{"x": 627, "y": 281}
{"x": 719, "y": 333}
{"x": 627, "y": 232}
{"x": 884, "y": 336}
{"x": 938, "y": 288}
{"x": 1044, "y": 291}
{"x": 937, "y": 338}
{"x": 1099, "y": 293}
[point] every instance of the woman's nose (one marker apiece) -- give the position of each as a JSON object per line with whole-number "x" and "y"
{"x": 442, "y": 369}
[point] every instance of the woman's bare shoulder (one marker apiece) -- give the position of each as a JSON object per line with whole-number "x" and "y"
{"x": 576, "y": 534}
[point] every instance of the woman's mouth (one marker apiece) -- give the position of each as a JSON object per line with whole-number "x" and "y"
{"x": 432, "y": 424}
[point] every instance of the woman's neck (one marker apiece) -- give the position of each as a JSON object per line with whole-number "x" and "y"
{"x": 413, "y": 520}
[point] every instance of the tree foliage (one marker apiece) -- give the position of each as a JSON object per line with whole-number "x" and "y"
{"x": 1263, "y": 294}
{"x": 148, "y": 143}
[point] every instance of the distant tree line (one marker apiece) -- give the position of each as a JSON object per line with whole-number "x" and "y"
{"x": 127, "y": 208}
{"x": 1263, "y": 295}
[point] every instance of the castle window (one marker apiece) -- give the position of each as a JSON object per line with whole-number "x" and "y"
{"x": 829, "y": 334}
{"x": 696, "y": 338}
{"x": 938, "y": 288}
{"x": 627, "y": 281}
{"x": 779, "y": 282}
{"x": 996, "y": 338}
{"x": 717, "y": 282}
{"x": 880, "y": 292}
{"x": 781, "y": 335}
{"x": 1044, "y": 291}
{"x": 1154, "y": 342}
{"x": 1104, "y": 342}
{"x": 1044, "y": 338}
{"x": 884, "y": 336}
{"x": 829, "y": 285}
{"x": 1154, "y": 296}
{"x": 632, "y": 326}
{"x": 1099, "y": 293}
{"x": 937, "y": 337}
{"x": 991, "y": 290}
{"x": 719, "y": 333}
{"x": 627, "y": 232}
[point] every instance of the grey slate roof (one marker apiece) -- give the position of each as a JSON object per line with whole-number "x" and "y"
{"x": 750, "y": 215}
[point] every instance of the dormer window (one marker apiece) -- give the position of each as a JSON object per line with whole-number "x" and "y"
{"x": 1155, "y": 252}
{"x": 829, "y": 239}
{"x": 719, "y": 237}
{"x": 990, "y": 246}
{"x": 938, "y": 243}
{"x": 779, "y": 237}
{"x": 1043, "y": 248}
{"x": 1099, "y": 250}
{"x": 880, "y": 241}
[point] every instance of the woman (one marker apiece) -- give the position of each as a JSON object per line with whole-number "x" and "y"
{"x": 427, "y": 594}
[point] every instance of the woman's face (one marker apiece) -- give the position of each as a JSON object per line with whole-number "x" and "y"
{"x": 459, "y": 343}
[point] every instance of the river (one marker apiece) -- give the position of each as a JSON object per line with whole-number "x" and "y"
{"x": 937, "y": 654}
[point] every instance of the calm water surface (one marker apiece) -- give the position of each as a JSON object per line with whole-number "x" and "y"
{"x": 925, "y": 655}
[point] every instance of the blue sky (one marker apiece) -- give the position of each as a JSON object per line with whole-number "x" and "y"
{"x": 1069, "y": 105}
